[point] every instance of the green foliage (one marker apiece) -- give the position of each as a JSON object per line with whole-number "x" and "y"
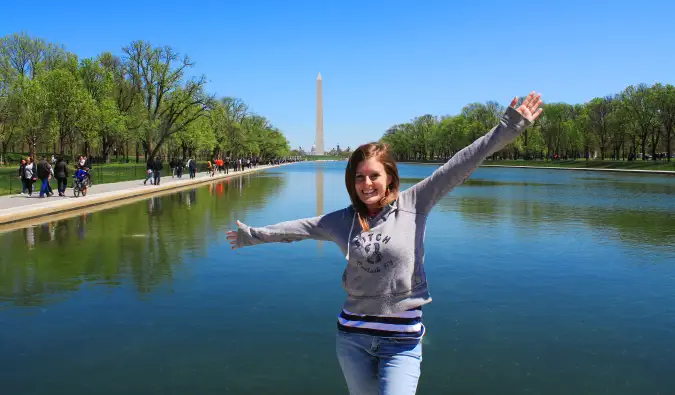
{"x": 52, "y": 102}
{"x": 638, "y": 122}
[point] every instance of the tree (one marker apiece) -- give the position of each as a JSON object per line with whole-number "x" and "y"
{"x": 73, "y": 108}
{"x": 640, "y": 103}
{"x": 170, "y": 105}
{"x": 665, "y": 106}
{"x": 197, "y": 136}
{"x": 36, "y": 116}
{"x": 599, "y": 113}
{"x": 231, "y": 136}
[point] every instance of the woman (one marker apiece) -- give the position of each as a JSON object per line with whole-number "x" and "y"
{"x": 22, "y": 176}
{"x": 30, "y": 172}
{"x": 379, "y": 337}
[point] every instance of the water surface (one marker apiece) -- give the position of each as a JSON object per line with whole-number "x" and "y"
{"x": 543, "y": 281}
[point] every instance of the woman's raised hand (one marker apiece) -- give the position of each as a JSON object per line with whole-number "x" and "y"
{"x": 529, "y": 108}
{"x": 232, "y": 236}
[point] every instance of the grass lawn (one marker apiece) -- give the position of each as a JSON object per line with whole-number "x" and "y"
{"x": 590, "y": 164}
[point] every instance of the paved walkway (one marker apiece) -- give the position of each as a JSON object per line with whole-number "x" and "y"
{"x": 18, "y": 207}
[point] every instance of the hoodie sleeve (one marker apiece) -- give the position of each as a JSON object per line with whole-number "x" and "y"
{"x": 284, "y": 232}
{"x": 425, "y": 194}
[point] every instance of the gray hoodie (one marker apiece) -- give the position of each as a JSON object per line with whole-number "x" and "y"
{"x": 385, "y": 266}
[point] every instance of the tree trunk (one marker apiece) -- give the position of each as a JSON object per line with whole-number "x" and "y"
{"x": 655, "y": 141}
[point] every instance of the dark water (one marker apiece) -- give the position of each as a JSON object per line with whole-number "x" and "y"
{"x": 544, "y": 282}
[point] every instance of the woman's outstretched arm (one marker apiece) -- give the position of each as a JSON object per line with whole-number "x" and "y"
{"x": 425, "y": 194}
{"x": 283, "y": 232}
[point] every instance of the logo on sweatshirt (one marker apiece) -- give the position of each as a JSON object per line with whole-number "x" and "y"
{"x": 373, "y": 245}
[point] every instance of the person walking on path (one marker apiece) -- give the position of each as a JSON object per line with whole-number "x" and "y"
{"x": 172, "y": 165}
{"x": 179, "y": 167}
{"x": 49, "y": 179}
{"x": 192, "y": 167}
{"x": 157, "y": 169}
{"x": 210, "y": 165}
{"x": 380, "y": 330}
{"x": 149, "y": 166}
{"x": 30, "y": 172}
{"x": 22, "y": 177}
{"x": 61, "y": 174}
{"x": 43, "y": 173}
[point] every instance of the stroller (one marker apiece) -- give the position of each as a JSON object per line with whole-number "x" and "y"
{"x": 80, "y": 183}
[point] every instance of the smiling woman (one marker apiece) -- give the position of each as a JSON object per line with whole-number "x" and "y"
{"x": 380, "y": 330}
{"x": 372, "y": 180}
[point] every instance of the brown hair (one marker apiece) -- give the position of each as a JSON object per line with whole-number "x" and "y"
{"x": 383, "y": 155}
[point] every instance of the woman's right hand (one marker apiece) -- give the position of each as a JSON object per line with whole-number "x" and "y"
{"x": 232, "y": 236}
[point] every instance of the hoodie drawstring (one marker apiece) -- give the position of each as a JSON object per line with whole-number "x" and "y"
{"x": 349, "y": 239}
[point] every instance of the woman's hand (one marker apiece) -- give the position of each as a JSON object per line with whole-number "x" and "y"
{"x": 529, "y": 108}
{"x": 232, "y": 236}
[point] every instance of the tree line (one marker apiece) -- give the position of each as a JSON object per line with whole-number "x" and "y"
{"x": 636, "y": 123}
{"x": 141, "y": 102}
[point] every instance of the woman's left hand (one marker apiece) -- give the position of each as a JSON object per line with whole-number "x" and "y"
{"x": 529, "y": 108}
{"x": 232, "y": 236}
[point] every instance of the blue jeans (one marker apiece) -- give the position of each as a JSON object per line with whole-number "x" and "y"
{"x": 44, "y": 188}
{"x": 379, "y": 365}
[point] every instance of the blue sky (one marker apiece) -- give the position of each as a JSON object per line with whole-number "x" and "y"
{"x": 382, "y": 62}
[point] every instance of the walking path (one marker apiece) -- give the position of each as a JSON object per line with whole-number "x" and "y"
{"x": 18, "y": 207}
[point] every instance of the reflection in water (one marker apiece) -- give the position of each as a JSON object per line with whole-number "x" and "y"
{"x": 112, "y": 245}
{"x": 650, "y": 227}
{"x": 319, "y": 194}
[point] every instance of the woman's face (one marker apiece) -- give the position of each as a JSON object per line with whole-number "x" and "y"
{"x": 371, "y": 182}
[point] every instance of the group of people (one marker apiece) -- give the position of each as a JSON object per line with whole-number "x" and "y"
{"x": 177, "y": 166}
{"x": 223, "y": 165}
{"x": 154, "y": 168}
{"x": 44, "y": 171}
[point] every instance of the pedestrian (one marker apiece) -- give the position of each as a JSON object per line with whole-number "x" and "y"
{"x": 211, "y": 167}
{"x": 61, "y": 174}
{"x": 192, "y": 166}
{"x": 43, "y": 173}
{"x": 149, "y": 166}
{"x": 157, "y": 169}
{"x": 30, "y": 172}
{"x": 22, "y": 177}
{"x": 172, "y": 165}
{"x": 179, "y": 167}
{"x": 50, "y": 192}
{"x": 381, "y": 234}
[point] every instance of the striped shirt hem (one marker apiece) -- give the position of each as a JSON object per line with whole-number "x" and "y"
{"x": 403, "y": 324}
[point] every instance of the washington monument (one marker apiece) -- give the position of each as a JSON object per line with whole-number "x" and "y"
{"x": 319, "y": 117}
